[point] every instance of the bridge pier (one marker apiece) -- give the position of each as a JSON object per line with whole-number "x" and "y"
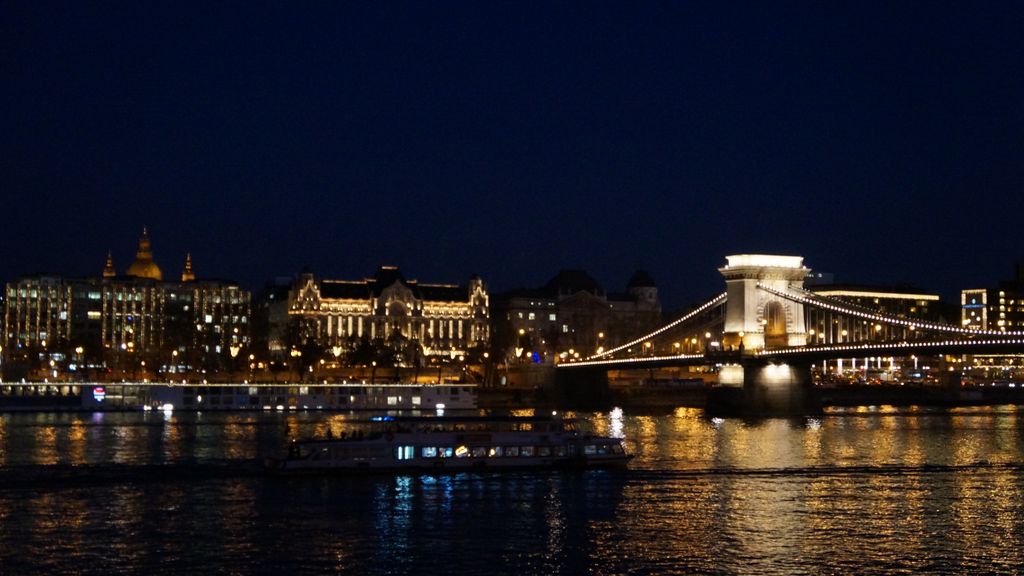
{"x": 761, "y": 388}
{"x": 581, "y": 388}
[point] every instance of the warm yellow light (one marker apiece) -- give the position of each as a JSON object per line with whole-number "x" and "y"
{"x": 764, "y": 260}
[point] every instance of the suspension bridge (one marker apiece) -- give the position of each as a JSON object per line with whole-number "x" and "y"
{"x": 765, "y": 332}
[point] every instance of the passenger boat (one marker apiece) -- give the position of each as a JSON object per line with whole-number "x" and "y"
{"x": 453, "y": 444}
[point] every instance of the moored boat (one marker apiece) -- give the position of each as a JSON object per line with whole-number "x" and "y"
{"x": 453, "y": 444}
{"x": 235, "y": 396}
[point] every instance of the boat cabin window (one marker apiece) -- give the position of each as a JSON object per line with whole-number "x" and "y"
{"x": 543, "y": 451}
{"x": 495, "y": 451}
{"x": 512, "y": 451}
{"x": 526, "y": 451}
{"x": 479, "y": 451}
{"x": 429, "y": 452}
{"x": 405, "y": 452}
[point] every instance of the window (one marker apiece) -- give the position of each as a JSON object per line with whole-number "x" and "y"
{"x": 552, "y": 317}
{"x": 429, "y": 452}
{"x": 532, "y": 316}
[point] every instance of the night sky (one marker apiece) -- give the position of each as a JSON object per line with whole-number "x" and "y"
{"x": 884, "y": 142}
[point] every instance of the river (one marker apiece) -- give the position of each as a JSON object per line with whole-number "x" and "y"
{"x": 859, "y": 490}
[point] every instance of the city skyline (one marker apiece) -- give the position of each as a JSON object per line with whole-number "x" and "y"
{"x": 512, "y": 142}
{"x": 122, "y": 267}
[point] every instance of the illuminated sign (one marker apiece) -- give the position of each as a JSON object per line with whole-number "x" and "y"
{"x": 99, "y": 393}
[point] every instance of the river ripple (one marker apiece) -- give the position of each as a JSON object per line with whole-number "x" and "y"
{"x": 865, "y": 491}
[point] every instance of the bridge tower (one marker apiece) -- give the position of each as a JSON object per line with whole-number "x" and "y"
{"x": 756, "y": 318}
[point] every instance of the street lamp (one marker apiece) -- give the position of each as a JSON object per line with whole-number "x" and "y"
{"x": 233, "y": 349}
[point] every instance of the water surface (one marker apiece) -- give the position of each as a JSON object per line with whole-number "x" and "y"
{"x": 866, "y": 491}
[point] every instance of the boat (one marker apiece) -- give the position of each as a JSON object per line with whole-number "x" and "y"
{"x": 98, "y": 396}
{"x": 452, "y": 443}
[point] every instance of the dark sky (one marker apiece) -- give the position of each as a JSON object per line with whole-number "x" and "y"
{"x": 884, "y": 142}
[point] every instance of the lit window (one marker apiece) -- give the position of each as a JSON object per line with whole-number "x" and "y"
{"x": 552, "y": 317}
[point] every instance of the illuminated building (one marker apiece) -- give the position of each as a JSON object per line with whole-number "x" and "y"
{"x": 110, "y": 319}
{"x": 898, "y": 301}
{"x": 201, "y": 319}
{"x": 37, "y": 313}
{"x": 572, "y": 312}
{"x": 436, "y": 319}
{"x": 1000, "y": 309}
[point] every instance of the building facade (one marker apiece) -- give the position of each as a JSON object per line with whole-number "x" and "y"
{"x": 1000, "y": 309}
{"x": 125, "y": 321}
{"x": 899, "y": 301}
{"x": 421, "y": 319}
{"x": 572, "y": 316}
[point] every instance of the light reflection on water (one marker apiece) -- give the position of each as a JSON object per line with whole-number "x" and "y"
{"x": 878, "y": 490}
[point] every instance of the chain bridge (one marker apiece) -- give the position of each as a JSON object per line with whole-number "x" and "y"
{"x": 765, "y": 331}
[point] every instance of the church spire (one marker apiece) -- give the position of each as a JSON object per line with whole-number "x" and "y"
{"x": 108, "y": 268}
{"x": 187, "y": 275}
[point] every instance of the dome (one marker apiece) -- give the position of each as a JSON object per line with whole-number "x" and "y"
{"x": 144, "y": 267}
{"x": 641, "y": 279}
